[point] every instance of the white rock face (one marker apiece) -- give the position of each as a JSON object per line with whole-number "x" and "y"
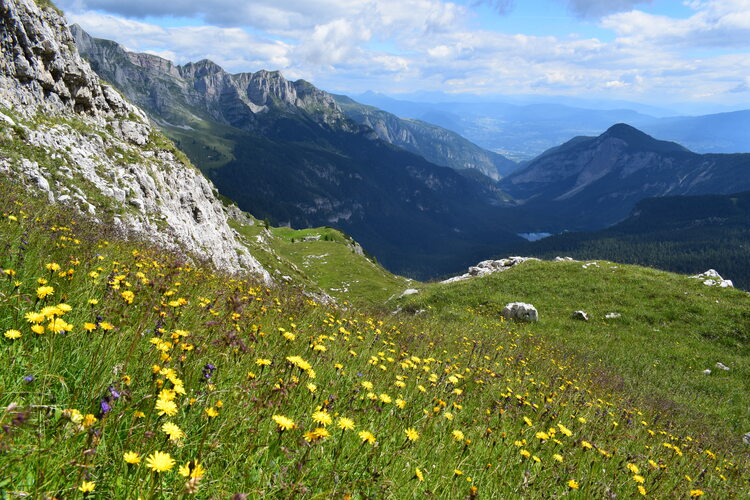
{"x": 102, "y": 144}
{"x": 520, "y": 311}
{"x": 722, "y": 366}
{"x": 408, "y": 291}
{"x": 612, "y": 315}
{"x": 488, "y": 267}
{"x": 713, "y": 278}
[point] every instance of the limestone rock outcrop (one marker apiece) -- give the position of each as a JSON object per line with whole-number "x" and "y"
{"x": 520, "y": 311}
{"x": 69, "y": 135}
{"x": 488, "y": 267}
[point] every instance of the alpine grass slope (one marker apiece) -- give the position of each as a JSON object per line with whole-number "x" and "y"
{"x": 131, "y": 372}
{"x": 137, "y": 366}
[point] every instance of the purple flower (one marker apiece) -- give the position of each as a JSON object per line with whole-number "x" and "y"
{"x": 28, "y": 378}
{"x": 105, "y": 406}
{"x": 115, "y": 394}
{"x": 208, "y": 371}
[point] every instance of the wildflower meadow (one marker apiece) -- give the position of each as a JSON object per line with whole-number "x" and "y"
{"x": 134, "y": 372}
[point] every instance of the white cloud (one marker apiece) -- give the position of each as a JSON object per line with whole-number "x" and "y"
{"x": 407, "y": 45}
{"x": 335, "y": 42}
{"x": 595, "y": 9}
{"x": 589, "y": 9}
{"x": 233, "y": 48}
{"x": 716, "y": 23}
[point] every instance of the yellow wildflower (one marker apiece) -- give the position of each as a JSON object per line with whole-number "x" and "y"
{"x": 87, "y": 486}
{"x": 411, "y": 434}
{"x": 159, "y": 461}
{"x": 367, "y": 437}
{"x": 283, "y": 422}
{"x": 192, "y": 469}
{"x": 173, "y": 431}
{"x": 12, "y": 334}
{"x": 322, "y": 418}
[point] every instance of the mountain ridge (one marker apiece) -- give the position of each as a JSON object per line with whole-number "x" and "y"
{"x": 592, "y": 182}
{"x": 436, "y": 144}
{"x": 312, "y": 166}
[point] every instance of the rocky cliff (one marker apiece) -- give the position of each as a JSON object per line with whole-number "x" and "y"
{"x": 77, "y": 139}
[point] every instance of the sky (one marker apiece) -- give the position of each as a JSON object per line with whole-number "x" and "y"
{"x": 649, "y": 51}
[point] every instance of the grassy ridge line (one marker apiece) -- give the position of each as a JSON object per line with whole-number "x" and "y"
{"x": 330, "y": 263}
{"x": 671, "y": 329}
{"x": 262, "y": 387}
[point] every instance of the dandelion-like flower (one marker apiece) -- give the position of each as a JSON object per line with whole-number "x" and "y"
{"x": 12, "y": 334}
{"x": 317, "y": 434}
{"x": 457, "y": 435}
{"x": 573, "y": 484}
{"x": 564, "y": 430}
{"x": 44, "y": 291}
{"x": 345, "y": 424}
{"x": 411, "y": 434}
{"x": 192, "y": 469}
{"x": 166, "y": 407}
{"x": 34, "y": 317}
{"x": 299, "y": 362}
{"x": 87, "y": 487}
{"x": 131, "y": 457}
{"x": 367, "y": 437}
{"x": 322, "y": 418}
{"x": 159, "y": 461}
{"x": 284, "y": 423}
{"x": 173, "y": 431}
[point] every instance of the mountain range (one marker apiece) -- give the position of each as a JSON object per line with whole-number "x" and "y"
{"x": 524, "y": 128}
{"x": 286, "y": 152}
{"x": 436, "y": 144}
{"x": 296, "y": 155}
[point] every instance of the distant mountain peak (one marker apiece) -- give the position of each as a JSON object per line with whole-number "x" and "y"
{"x": 640, "y": 140}
{"x": 623, "y": 130}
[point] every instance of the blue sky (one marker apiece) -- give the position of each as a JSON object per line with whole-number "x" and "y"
{"x": 656, "y": 52}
